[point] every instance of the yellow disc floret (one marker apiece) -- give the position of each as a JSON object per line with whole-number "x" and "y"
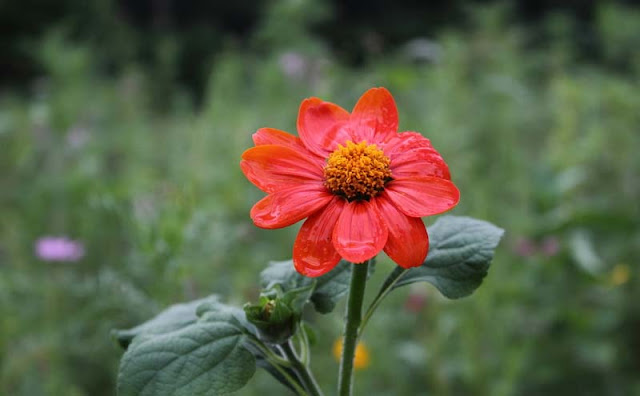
{"x": 357, "y": 171}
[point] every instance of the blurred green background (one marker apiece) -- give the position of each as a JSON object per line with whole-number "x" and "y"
{"x": 122, "y": 124}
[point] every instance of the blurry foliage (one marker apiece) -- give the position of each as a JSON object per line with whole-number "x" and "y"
{"x": 192, "y": 34}
{"x": 542, "y": 142}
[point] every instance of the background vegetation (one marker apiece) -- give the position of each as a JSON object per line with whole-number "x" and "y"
{"x": 120, "y": 151}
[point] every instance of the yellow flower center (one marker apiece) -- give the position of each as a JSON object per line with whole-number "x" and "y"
{"x": 357, "y": 171}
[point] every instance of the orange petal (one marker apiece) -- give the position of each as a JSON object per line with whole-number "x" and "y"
{"x": 422, "y": 196}
{"x": 375, "y": 117}
{"x": 313, "y": 251}
{"x": 321, "y": 126}
{"x": 360, "y": 232}
{"x": 275, "y": 136}
{"x": 408, "y": 242}
{"x": 404, "y": 142}
{"x": 411, "y": 155}
{"x": 272, "y": 168}
{"x": 286, "y": 207}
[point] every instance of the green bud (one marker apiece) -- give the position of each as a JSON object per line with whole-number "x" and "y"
{"x": 276, "y": 315}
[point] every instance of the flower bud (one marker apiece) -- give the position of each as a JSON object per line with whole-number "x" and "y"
{"x": 276, "y": 315}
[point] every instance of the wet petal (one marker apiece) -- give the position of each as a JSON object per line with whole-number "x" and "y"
{"x": 286, "y": 207}
{"x": 422, "y": 196}
{"x": 422, "y": 162}
{"x": 313, "y": 250}
{"x": 411, "y": 154}
{"x": 404, "y": 142}
{"x": 321, "y": 126}
{"x": 408, "y": 242}
{"x": 360, "y": 232}
{"x": 272, "y": 168}
{"x": 375, "y": 117}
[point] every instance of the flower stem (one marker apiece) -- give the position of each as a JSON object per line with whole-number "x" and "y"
{"x": 353, "y": 318}
{"x": 279, "y": 364}
{"x": 303, "y": 372}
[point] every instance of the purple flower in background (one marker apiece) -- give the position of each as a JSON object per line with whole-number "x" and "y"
{"x": 550, "y": 246}
{"x": 525, "y": 247}
{"x": 59, "y": 249}
{"x": 415, "y": 302}
{"x": 77, "y": 137}
{"x": 293, "y": 64}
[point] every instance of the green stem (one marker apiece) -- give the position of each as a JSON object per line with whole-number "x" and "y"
{"x": 353, "y": 318}
{"x": 305, "y": 352}
{"x": 269, "y": 354}
{"x": 276, "y": 363}
{"x": 377, "y": 300}
{"x": 303, "y": 372}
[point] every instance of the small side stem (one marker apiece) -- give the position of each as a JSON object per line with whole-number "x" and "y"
{"x": 269, "y": 354}
{"x": 305, "y": 352}
{"x": 352, "y": 323}
{"x": 377, "y": 300}
{"x": 303, "y": 372}
{"x": 279, "y": 366}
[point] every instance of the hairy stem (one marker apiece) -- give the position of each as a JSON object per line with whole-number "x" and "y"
{"x": 303, "y": 372}
{"x": 352, "y": 323}
{"x": 279, "y": 364}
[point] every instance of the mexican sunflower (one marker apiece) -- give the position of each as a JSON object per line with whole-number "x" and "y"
{"x": 361, "y": 186}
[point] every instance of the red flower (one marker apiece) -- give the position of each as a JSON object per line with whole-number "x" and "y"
{"x": 361, "y": 185}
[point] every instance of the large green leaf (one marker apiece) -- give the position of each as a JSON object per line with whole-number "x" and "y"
{"x": 173, "y": 318}
{"x": 204, "y": 358}
{"x": 460, "y": 253}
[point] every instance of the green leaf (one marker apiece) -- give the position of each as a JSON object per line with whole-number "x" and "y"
{"x": 297, "y": 298}
{"x": 284, "y": 274}
{"x": 213, "y": 307}
{"x": 173, "y": 318}
{"x": 460, "y": 253}
{"x": 204, "y": 358}
{"x": 330, "y": 288}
